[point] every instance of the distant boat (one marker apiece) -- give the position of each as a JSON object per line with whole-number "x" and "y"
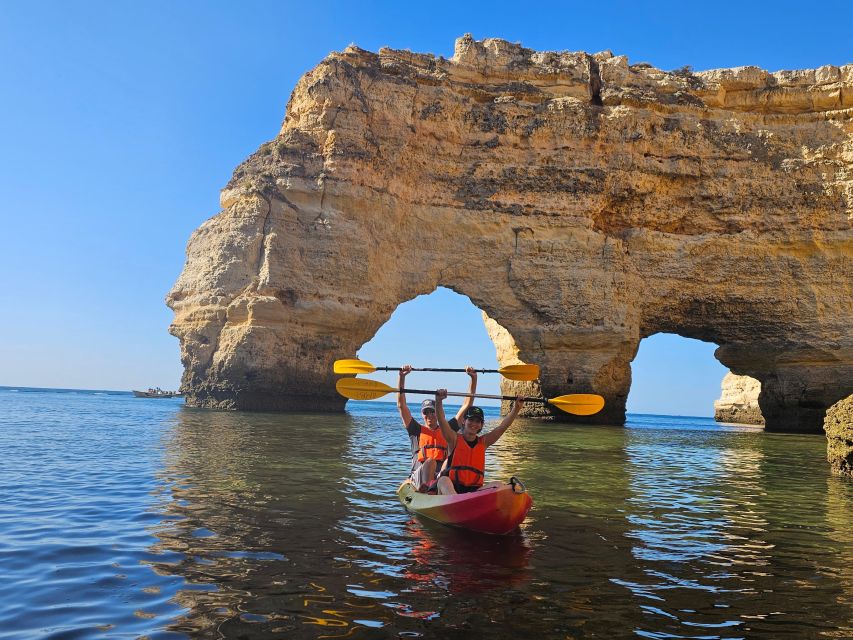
{"x": 157, "y": 392}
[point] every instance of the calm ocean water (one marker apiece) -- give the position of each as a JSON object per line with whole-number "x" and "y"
{"x": 124, "y": 517}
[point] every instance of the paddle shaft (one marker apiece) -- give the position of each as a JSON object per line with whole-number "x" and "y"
{"x": 442, "y": 370}
{"x": 469, "y": 395}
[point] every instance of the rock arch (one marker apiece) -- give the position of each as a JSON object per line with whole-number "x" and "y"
{"x": 582, "y": 202}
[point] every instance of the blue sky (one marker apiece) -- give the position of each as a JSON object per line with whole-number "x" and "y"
{"x": 120, "y": 121}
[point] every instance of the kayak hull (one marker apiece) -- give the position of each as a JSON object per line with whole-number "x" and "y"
{"x": 497, "y": 509}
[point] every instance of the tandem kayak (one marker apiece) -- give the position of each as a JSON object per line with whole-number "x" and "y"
{"x": 496, "y": 508}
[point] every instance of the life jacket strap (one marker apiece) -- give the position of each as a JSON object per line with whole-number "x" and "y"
{"x": 462, "y": 467}
{"x": 422, "y": 453}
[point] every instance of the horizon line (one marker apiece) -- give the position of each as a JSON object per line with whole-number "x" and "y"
{"x": 126, "y": 391}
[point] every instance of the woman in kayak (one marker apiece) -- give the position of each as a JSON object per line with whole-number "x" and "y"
{"x": 466, "y": 466}
{"x": 429, "y": 446}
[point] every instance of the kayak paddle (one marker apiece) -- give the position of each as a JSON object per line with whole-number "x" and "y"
{"x": 511, "y": 372}
{"x": 580, "y": 404}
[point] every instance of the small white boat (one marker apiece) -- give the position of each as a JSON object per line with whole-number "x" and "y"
{"x": 157, "y": 392}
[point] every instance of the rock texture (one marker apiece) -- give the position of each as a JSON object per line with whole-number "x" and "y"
{"x": 739, "y": 400}
{"x": 839, "y": 434}
{"x": 581, "y": 201}
{"x": 507, "y": 354}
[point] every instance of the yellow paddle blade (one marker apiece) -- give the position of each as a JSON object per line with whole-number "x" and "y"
{"x": 520, "y": 371}
{"x": 360, "y": 389}
{"x": 580, "y": 404}
{"x": 353, "y": 366}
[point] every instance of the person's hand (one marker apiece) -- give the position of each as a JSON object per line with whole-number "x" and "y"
{"x": 471, "y": 371}
{"x": 405, "y": 370}
{"x": 519, "y": 402}
{"x": 440, "y": 394}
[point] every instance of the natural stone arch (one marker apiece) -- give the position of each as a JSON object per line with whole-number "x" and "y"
{"x": 581, "y": 202}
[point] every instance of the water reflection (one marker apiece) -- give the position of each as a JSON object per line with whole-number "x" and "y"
{"x": 710, "y": 515}
{"x": 289, "y": 525}
{"x": 120, "y": 518}
{"x": 689, "y": 534}
{"x": 240, "y": 490}
{"x": 806, "y": 566}
{"x": 839, "y": 525}
{"x": 462, "y": 562}
{"x": 580, "y": 485}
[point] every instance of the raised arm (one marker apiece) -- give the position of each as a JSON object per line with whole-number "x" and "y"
{"x": 446, "y": 430}
{"x": 402, "y": 407}
{"x": 494, "y": 435}
{"x": 469, "y": 401}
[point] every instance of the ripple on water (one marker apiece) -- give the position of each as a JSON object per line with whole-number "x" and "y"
{"x": 123, "y": 518}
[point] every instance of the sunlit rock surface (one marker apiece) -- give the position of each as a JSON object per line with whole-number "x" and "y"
{"x": 507, "y": 354}
{"x": 738, "y": 400}
{"x": 839, "y": 434}
{"x": 581, "y": 201}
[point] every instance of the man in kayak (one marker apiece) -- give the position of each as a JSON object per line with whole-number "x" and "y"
{"x": 429, "y": 446}
{"x": 466, "y": 466}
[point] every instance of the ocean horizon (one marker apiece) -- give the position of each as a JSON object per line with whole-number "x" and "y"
{"x": 26, "y": 389}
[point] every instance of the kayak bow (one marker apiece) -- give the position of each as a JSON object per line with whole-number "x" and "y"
{"x": 496, "y": 508}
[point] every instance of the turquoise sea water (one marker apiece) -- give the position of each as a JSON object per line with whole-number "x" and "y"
{"x": 125, "y": 518}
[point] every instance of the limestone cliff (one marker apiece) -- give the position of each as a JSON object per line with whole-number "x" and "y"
{"x": 581, "y": 201}
{"x": 839, "y": 434}
{"x": 507, "y": 354}
{"x": 738, "y": 400}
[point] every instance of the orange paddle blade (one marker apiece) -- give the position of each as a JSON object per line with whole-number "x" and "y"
{"x": 361, "y": 389}
{"x": 353, "y": 366}
{"x": 580, "y": 404}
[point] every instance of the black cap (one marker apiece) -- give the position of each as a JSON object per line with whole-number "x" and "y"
{"x": 475, "y": 413}
{"x": 428, "y": 404}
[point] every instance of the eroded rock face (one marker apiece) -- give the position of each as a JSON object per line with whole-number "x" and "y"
{"x": 507, "y": 354}
{"x": 739, "y": 400}
{"x": 839, "y": 434}
{"x": 582, "y": 202}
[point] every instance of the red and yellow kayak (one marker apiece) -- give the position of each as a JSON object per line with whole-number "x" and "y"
{"x": 496, "y": 508}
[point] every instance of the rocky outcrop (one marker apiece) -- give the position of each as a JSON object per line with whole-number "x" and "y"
{"x": 507, "y": 354}
{"x": 738, "y": 402}
{"x": 839, "y": 434}
{"x": 581, "y": 201}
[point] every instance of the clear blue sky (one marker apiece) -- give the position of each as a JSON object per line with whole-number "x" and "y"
{"x": 120, "y": 121}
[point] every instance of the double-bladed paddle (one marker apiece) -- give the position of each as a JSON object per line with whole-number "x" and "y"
{"x": 580, "y": 404}
{"x": 511, "y": 372}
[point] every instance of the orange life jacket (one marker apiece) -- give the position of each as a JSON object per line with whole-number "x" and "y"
{"x": 431, "y": 444}
{"x": 468, "y": 464}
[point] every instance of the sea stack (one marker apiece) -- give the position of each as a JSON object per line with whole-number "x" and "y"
{"x": 738, "y": 401}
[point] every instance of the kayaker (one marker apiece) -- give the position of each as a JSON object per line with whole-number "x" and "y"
{"x": 429, "y": 446}
{"x": 466, "y": 468}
